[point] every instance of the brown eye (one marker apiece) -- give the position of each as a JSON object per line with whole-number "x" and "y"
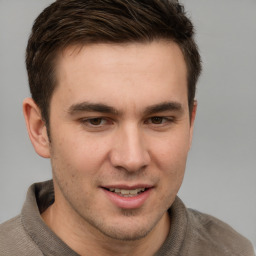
{"x": 96, "y": 121}
{"x": 157, "y": 120}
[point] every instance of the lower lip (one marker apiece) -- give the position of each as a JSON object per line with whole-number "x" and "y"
{"x": 133, "y": 202}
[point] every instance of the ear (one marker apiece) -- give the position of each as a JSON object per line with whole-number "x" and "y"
{"x": 36, "y": 128}
{"x": 192, "y": 121}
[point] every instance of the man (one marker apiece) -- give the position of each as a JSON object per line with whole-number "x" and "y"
{"x": 113, "y": 87}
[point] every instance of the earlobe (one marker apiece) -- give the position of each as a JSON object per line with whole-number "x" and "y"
{"x": 36, "y": 128}
{"x": 192, "y": 121}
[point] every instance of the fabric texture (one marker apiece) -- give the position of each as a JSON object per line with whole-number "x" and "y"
{"x": 192, "y": 233}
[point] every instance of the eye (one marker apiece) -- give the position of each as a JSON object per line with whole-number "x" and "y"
{"x": 156, "y": 120}
{"x": 96, "y": 124}
{"x": 159, "y": 121}
{"x": 96, "y": 121}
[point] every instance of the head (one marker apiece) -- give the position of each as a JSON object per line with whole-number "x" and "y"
{"x": 114, "y": 83}
{"x": 84, "y": 22}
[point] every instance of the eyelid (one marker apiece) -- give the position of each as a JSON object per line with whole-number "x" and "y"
{"x": 167, "y": 119}
{"x": 86, "y": 121}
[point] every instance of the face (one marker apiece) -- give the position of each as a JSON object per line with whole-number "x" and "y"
{"x": 120, "y": 135}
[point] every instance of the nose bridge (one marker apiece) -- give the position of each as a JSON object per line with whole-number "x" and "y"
{"x": 130, "y": 150}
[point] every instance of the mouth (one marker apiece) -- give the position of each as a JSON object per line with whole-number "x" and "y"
{"x": 128, "y": 197}
{"x": 127, "y": 192}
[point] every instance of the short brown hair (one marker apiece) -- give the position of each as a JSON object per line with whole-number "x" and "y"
{"x": 68, "y": 22}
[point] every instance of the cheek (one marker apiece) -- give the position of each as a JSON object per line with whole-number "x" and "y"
{"x": 170, "y": 153}
{"x": 170, "y": 159}
{"x": 78, "y": 154}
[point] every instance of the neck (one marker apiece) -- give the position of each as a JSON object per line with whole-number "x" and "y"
{"x": 84, "y": 239}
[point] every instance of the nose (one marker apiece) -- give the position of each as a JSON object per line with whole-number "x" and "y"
{"x": 129, "y": 151}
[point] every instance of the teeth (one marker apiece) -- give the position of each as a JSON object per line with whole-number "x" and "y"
{"x": 126, "y": 192}
{"x": 133, "y": 192}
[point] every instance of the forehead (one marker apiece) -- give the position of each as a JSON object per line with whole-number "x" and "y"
{"x": 157, "y": 55}
{"x": 106, "y": 72}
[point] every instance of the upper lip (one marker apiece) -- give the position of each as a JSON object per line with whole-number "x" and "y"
{"x": 128, "y": 187}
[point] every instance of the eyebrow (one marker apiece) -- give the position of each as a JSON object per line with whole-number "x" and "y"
{"x": 92, "y": 107}
{"x": 163, "y": 107}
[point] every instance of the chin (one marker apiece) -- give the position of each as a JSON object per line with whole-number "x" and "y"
{"x": 126, "y": 235}
{"x": 128, "y": 228}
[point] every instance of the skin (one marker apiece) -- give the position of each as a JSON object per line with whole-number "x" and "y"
{"x": 119, "y": 117}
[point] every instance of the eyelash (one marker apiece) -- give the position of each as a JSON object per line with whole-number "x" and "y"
{"x": 164, "y": 120}
{"x": 88, "y": 121}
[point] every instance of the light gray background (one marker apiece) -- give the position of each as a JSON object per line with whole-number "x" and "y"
{"x": 221, "y": 171}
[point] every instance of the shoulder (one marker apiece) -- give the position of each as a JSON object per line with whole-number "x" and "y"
{"x": 15, "y": 240}
{"x": 214, "y": 235}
